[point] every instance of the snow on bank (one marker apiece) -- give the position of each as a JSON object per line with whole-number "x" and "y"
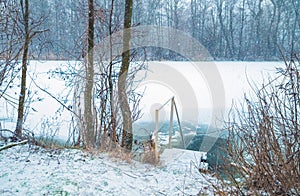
{"x": 28, "y": 170}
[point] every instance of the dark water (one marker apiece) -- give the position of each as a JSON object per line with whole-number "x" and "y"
{"x": 215, "y": 154}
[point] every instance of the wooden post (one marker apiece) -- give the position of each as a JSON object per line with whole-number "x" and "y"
{"x": 180, "y": 129}
{"x": 156, "y": 136}
{"x": 171, "y": 123}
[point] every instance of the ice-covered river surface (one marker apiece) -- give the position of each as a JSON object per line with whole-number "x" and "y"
{"x": 188, "y": 82}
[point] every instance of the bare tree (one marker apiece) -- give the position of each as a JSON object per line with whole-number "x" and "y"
{"x": 29, "y": 32}
{"x": 110, "y": 80}
{"x": 89, "y": 81}
{"x": 105, "y": 104}
{"x": 20, "y": 119}
{"x": 127, "y": 135}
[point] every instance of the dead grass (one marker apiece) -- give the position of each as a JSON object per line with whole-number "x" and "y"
{"x": 149, "y": 157}
{"x": 119, "y": 153}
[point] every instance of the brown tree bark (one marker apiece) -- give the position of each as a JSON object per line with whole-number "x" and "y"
{"x": 111, "y": 85}
{"x": 88, "y": 91}
{"x": 20, "y": 120}
{"x": 127, "y": 136}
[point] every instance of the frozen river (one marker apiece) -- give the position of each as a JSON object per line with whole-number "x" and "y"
{"x": 196, "y": 88}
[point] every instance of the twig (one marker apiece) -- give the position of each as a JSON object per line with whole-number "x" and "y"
{"x": 130, "y": 175}
{"x": 52, "y": 96}
{"x": 162, "y": 193}
{"x": 7, "y": 130}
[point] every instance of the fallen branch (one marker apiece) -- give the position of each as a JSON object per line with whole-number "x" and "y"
{"x": 130, "y": 175}
{"x": 13, "y": 144}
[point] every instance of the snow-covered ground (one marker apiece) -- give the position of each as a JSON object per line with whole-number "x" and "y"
{"x": 26, "y": 170}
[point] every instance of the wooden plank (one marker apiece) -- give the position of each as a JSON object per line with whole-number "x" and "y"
{"x": 156, "y": 136}
{"x": 179, "y": 124}
{"x": 171, "y": 123}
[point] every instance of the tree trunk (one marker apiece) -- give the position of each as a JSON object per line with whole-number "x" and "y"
{"x": 20, "y": 119}
{"x": 127, "y": 136}
{"x": 88, "y": 91}
{"x": 241, "y": 35}
{"x": 113, "y": 138}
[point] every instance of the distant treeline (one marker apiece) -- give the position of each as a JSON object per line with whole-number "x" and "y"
{"x": 229, "y": 29}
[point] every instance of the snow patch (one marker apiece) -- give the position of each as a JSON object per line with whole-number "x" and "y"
{"x": 29, "y": 170}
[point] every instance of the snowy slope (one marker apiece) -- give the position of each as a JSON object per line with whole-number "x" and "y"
{"x": 28, "y": 170}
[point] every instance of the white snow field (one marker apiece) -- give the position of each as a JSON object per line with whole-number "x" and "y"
{"x": 26, "y": 170}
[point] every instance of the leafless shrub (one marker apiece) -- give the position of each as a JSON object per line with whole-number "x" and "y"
{"x": 120, "y": 153}
{"x": 149, "y": 154}
{"x": 263, "y": 144}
